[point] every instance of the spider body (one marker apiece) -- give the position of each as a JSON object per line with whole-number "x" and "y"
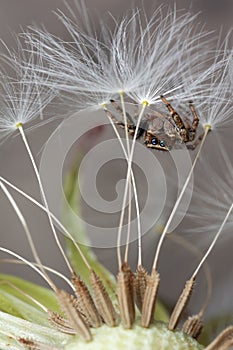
{"x": 160, "y": 131}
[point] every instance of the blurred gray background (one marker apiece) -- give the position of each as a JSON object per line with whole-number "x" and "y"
{"x": 15, "y": 166}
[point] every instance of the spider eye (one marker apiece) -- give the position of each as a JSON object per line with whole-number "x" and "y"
{"x": 146, "y": 142}
{"x": 162, "y": 143}
{"x": 154, "y": 141}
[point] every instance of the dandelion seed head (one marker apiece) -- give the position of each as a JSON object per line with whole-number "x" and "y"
{"x": 216, "y": 107}
{"x": 21, "y": 103}
{"x": 141, "y": 57}
{"x": 208, "y": 86}
{"x": 22, "y": 97}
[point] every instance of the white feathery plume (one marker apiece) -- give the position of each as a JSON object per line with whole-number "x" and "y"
{"x": 91, "y": 101}
{"x": 209, "y": 88}
{"x": 22, "y": 97}
{"x": 140, "y": 56}
{"x": 216, "y": 109}
{"x": 173, "y": 44}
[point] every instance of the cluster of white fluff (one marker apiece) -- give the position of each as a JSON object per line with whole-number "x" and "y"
{"x": 22, "y": 96}
{"x": 141, "y": 57}
{"x": 169, "y": 54}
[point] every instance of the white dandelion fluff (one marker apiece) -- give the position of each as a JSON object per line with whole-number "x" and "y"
{"x": 210, "y": 88}
{"x": 140, "y": 56}
{"x": 22, "y": 97}
{"x": 217, "y": 109}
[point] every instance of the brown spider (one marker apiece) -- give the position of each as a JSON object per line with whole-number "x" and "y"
{"x": 162, "y": 132}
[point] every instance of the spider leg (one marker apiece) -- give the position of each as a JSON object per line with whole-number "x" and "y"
{"x": 120, "y": 111}
{"x": 171, "y": 120}
{"x": 177, "y": 119}
{"x": 114, "y": 119}
{"x": 143, "y": 126}
{"x": 131, "y": 126}
{"x": 196, "y": 143}
{"x": 193, "y": 128}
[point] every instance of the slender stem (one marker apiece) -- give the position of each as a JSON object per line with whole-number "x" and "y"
{"x": 129, "y": 188}
{"x": 48, "y": 280}
{"x": 125, "y": 122}
{"x": 129, "y": 223}
{"x": 178, "y": 200}
{"x": 213, "y": 242}
{"x": 55, "y": 272}
{"x": 185, "y": 244}
{"x": 20, "y": 127}
{"x": 25, "y": 227}
{"x": 134, "y": 189}
{"x": 144, "y": 104}
{"x": 52, "y": 215}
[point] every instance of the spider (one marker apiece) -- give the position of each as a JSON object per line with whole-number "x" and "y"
{"x": 162, "y": 132}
